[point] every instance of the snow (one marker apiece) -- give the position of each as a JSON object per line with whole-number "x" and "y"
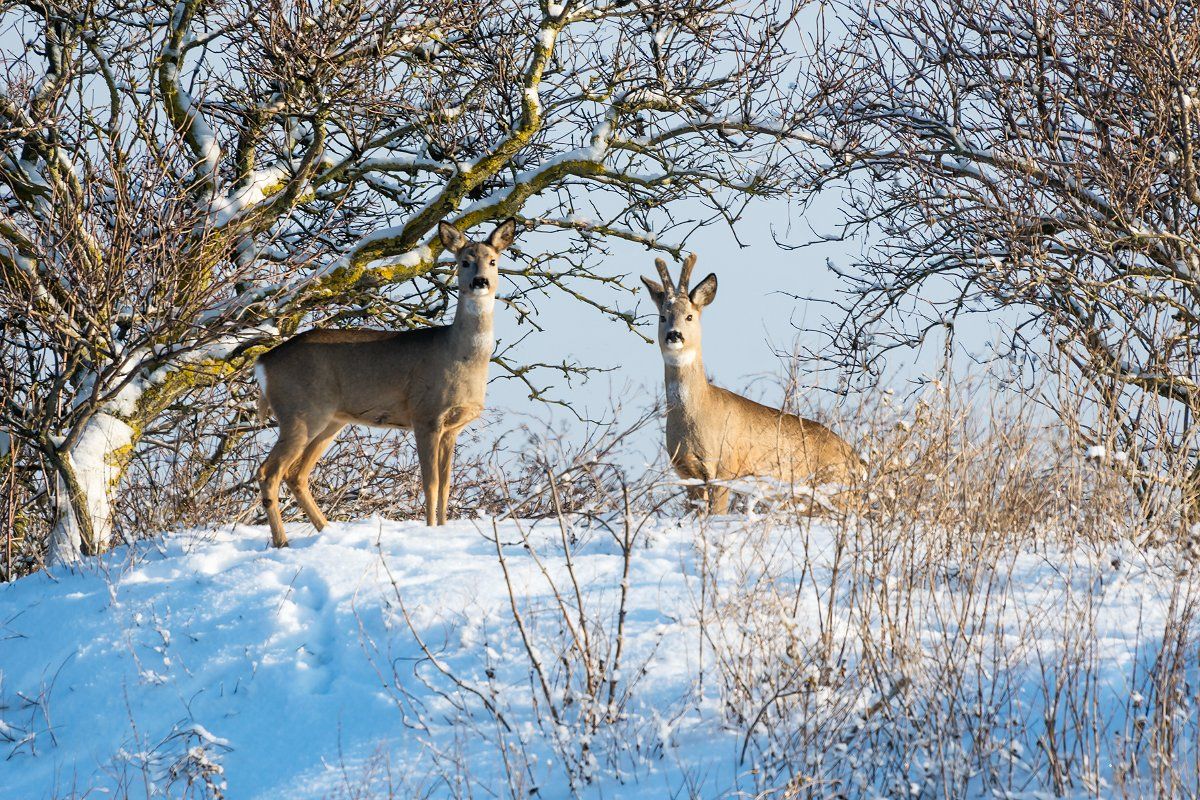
{"x": 223, "y": 208}
{"x": 298, "y": 673}
{"x": 602, "y": 133}
{"x": 652, "y": 98}
{"x": 66, "y": 538}
{"x": 91, "y": 456}
{"x": 177, "y": 14}
{"x": 202, "y": 136}
{"x": 414, "y": 257}
{"x": 391, "y": 163}
{"x": 593, "y": 152}
{"x": 532, "y": 99}
{"x": 409, "y": 258}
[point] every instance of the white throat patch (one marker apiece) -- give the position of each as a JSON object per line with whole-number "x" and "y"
{"x": 678, "y": 357}
{"x": 473, "y": 304}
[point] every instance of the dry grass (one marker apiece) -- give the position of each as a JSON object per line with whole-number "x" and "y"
{"x": 897, "y": 652}
{"x": 952, "y": 637}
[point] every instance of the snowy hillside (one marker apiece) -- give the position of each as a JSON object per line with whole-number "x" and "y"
{"x": 382, "y": 659}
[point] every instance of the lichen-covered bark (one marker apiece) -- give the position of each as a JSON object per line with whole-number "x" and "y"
{"x": 91, "y": 471}
{"x": 200, "y": 172}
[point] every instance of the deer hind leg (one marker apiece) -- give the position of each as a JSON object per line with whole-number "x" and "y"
{"x": 428, "y": 441}
{"x": 446, "y": 465}
{"x": 297, "y": 476}
{"x": 293, "y": 435}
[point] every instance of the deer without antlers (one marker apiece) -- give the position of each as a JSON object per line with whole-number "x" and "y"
{"x": 716, "y": 435}
{"x": 431, "y": 380}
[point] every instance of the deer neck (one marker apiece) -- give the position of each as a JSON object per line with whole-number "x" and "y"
{"x": 471, "y": 330}
{"x": 687, "y": 384}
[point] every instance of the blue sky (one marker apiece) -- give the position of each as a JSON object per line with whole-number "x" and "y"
{"x": 754, "y": 321}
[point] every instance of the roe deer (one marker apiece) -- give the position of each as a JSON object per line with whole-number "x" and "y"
{"x": 431, "y": 380}
{"x": 716, "y": 435}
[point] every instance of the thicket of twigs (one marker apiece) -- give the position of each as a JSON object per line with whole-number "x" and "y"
{"x": 941, "y": 456}
{"x": 888, "y": 652}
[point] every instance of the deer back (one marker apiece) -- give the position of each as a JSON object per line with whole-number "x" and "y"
{"x": 375, "y": 377}
{"x": 737, "y": 437}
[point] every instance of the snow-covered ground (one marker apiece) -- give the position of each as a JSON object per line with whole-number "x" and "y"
{"x": 381, "y": 658}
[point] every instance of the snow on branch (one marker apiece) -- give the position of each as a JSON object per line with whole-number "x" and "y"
{"x": 142, "y": 262}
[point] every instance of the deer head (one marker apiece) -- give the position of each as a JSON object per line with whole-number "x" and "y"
{"x": 478, "y": 276}
{"x": 679, "y": 311}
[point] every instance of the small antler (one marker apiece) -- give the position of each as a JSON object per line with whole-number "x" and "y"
{"x": 685, "y": 275}
{"x": 663, "y": 274}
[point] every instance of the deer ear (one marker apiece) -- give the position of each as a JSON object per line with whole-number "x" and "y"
{"x": 452, "y": 238}
{"x": 704, "y": 292}
{"x": 503, "y": 235}
{"x": 656, "y": 291}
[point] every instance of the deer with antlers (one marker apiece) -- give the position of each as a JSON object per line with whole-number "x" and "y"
{"x": 430, "y": 380}
{"x": 715, "y": 435}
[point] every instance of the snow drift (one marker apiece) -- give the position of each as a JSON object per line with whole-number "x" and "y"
{"x": 615, "y": 659}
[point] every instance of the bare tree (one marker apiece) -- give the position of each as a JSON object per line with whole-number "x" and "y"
{"x": 1035, "y": 160}
{"x": 183, "y": 183}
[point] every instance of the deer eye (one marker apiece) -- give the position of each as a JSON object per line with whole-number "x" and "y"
{"x": 493, "y": 263}
{"x": 689, "y": 318}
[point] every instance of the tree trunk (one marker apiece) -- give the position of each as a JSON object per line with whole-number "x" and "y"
{"x": 85, "y": 477}
{"x": 66, "y": 537}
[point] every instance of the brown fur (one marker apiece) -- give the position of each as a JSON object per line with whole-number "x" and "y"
{"x": 430, "y": 380}
{"x": 714, "y": 434}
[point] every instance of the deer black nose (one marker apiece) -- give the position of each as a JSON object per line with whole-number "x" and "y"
{"x": 674, "y": 336}
{"x": 479, "y": 283}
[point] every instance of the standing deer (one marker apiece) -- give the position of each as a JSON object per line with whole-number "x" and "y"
{"x": 716, "y": 435}
{"x": 431, "y": 380}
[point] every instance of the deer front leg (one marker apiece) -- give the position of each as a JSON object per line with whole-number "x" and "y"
{"x": 292, "y": 438}
{"x": 715, "y": 497}
{"x": 446, "y": 463}
{"x": 297, "y": 476}
{"x": 690, "y": 468}
{"x": 718, "y": 499}
{"x": 428, "y": 441}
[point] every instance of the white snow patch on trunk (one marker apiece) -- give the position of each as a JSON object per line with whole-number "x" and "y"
{"x": 66, "y": 541}
{"x": 255, "y": 190}
{"x": 92, "y": 457}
